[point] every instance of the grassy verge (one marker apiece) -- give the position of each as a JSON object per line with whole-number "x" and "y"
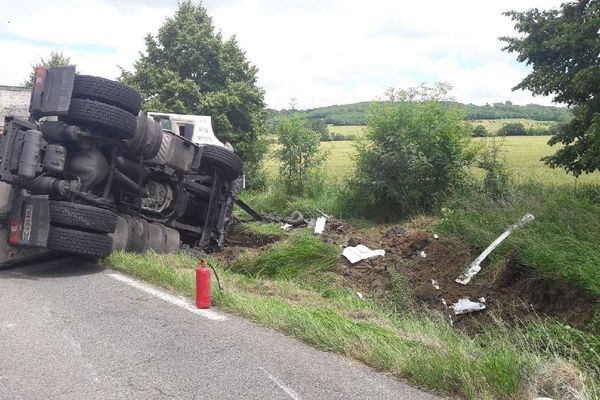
{"x": 562, "y": 243}
{"x": 306, "y": 299}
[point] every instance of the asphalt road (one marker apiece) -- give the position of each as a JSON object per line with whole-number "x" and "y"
{"x": 73, "y": 330}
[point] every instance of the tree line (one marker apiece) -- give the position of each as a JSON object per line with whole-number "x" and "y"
{"x": 357, "y": 113}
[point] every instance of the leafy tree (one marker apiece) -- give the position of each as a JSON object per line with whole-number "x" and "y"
{"x": 480, "y": 131}
{"x": 188, "y": 68}
{"x": 562, "y": 47}
{"x": 298, "y": 154}
{"x": 512, "y": 129}
{"x": 56, "y": 59}
{"x": 414, "y": 152}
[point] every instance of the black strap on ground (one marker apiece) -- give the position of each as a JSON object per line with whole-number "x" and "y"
{"x": 256, "y": 216}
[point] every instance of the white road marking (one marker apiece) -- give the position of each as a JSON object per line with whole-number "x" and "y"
{"x": 179, "y": 301}
{"x": 282, "y": 386}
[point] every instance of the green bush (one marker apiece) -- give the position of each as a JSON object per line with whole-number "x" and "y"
{"x": 496, "y": 181}
{"x": 414, "y": 153}
{"x": 512, "y": 129}
{"x": 480, "y": 131}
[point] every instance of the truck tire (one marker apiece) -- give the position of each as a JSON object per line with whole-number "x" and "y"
{"x": 223, "y": 159}
{"x": 95, "y": 114}
{"x": 79, "y": 242}
{"x": 83, "y": 217}
{"x": 107, "y": 91}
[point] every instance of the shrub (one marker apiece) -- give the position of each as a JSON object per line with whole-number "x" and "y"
{"x": 480, "y": 131}
{"x": 497, "y": 180}
{"x": 512, "y": 129}
{"x": 415, "y": 151}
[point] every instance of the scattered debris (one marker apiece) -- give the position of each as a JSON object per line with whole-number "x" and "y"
{"x": 320, "y": 225}
{"x": 422, "y": 254}
{"x": 435, "y": 236}
{"x": 361, "y": 252}
{"x": 325, "y": 215}
{"x": 286, "y": 227}
{"x": 397, "y": 232}
{"x": 360, "y": 295}
{"x": 475, "y": 266}
{"x": 465, "y": 305}
{"x": 435, "y": 284}
{"x": 295, "y": 219}
{"x": 251, "y": 212}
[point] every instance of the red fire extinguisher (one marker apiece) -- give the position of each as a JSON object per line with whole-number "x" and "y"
{"x": 202, "y": 285}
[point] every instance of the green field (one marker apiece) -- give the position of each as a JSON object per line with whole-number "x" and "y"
{"x": 351, "y": 130}
{"x": 522, "y": 156}
{"x": 493, "y": 125}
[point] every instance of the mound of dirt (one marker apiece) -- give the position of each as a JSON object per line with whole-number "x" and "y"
{"x": 430, "y": 266}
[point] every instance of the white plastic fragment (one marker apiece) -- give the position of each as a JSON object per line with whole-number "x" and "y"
{"x": 475, "y": 266}
{"x": 435, "y": 236}
{"x": 447, "y": 312}
{"x": 360, "y": 295}
{"x": 286, "y": 227}
{"x": 465, "y": 305}
{"x": 320, "y": 225}
{"x": 435, "y": 284}
{"x": 361, "y": 252}
{"x": 422, "y": 254}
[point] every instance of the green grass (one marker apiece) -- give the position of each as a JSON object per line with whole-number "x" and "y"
{"x": 499, "y": 363}
{"x": 298, "y": 256}
{"x": 351, "y": 130}
{"x": 562, "y": 243}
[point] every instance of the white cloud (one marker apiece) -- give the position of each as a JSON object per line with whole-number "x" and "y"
{"x": 320, "y": 52}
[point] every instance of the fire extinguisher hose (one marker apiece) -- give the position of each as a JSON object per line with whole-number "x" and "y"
{"x": 217, "y": 276}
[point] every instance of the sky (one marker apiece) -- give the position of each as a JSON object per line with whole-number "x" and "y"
{"x": 319, "y": 52}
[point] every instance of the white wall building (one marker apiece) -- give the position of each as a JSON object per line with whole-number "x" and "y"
{"x": 14, "y": 100}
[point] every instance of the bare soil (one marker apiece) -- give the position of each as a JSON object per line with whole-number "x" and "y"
{"x": 513, "y": 292}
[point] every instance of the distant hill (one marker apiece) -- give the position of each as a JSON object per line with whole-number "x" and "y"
{"x": 355, "y": 114}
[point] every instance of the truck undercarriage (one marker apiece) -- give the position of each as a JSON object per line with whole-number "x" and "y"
{"x": 89, "y": 173}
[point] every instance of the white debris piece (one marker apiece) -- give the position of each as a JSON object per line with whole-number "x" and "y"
{"x": 361, "y": 252}
{"x": 447, "y": 312}
{"x": 360, "y": 295}
{"x": 320, "y": 225}
{"x": 435, "y": 236}
{"x": 475, "y": 266}
{"x": 422, "y": 254}
{"x": 463, "y": 306}
{"x": 435, "y": 284}
{"x": 287, "y": 227}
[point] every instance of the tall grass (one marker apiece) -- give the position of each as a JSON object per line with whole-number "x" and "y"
{"x": 297, "y": 256}
{"x": 562, "y": 243}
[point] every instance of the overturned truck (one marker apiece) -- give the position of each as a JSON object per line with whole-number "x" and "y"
{"x": 88, "y": 173}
